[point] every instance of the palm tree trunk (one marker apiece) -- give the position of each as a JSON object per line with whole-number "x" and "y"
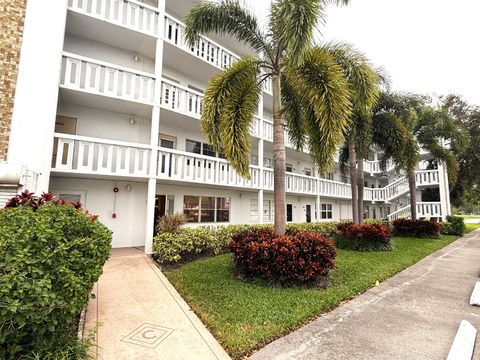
{"x": 279, "y": 159}
{"x": 352, "y": 159}
{"x": 360, "y": 186}
{"x": 413, "y": 193}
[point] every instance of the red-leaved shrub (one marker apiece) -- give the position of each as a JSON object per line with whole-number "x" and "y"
{"x": 301, "y": 257}
{"x": 365, "y": 237}
{"x": 417, "y": 228}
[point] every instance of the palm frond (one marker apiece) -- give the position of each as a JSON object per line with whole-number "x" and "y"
{"x": 361, "y": 76}
{"x": 228, "y": 109}
{"x": 292, "y": 24}
{"x": 323, "y": 86}
{"x": 224, "y": 17}
{"x": 294, "y": 114}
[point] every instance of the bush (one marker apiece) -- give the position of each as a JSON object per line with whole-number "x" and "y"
{"x": 417, "y": 228}
{"x": 301, "y": 257}
{"x": 454, "y": 226}
{"x": 328, "y": 229}
{"x": 51, "y": 254}
{"x": 170, "y": 223}
{"x": 184, "y": 243}
{"x": 366, "y": 237}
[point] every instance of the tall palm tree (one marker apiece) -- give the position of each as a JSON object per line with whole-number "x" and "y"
{"x": 314, "y": 88}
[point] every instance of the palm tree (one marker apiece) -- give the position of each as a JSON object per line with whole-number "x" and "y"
{"x": 314, "y": 88}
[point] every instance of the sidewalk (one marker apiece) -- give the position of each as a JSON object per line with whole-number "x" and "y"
{"x": 141, "y": 316}
{"x": 413, "y": 315}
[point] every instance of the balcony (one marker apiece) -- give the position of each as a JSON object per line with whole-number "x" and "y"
{"x": 131, "y": 14}
{"x": 424, "y": 210}
{"x": 204, "y": 49}
{"x": 184, "y": 166}
{"x": 97, "y": 77}
{"x": 86, "y": 155}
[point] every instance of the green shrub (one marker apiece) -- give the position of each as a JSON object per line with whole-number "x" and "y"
{"x": 454, "y": 226}
{"x": 50, "y": 256}
{"x": 170, "y": 223}
{"x": 322, "y": 228}
{"x": 187, "y": 242}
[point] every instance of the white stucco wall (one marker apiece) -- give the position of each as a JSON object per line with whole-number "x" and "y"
{"x": 130, "y": 208}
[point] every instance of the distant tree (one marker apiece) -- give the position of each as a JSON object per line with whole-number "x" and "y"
{"x": 466, "y": 116}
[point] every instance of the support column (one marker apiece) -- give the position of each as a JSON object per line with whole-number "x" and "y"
{"x": 443, "y": 189}
{"x": 319, "y": 217}
{"x": 154, "y": 131}
{"x": 260, "y": 206}
{"x": 260, "y": 162}
{"x": 36, "y": 94}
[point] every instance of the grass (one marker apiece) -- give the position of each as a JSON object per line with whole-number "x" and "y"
{"x": 471, "y": 227}
{"x": 469, "y": 216}
{"x": 244, "y": 316}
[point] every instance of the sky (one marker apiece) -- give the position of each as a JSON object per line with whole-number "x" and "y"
{"x": 426, "y": 46}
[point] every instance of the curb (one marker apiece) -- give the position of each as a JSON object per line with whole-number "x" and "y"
{"x": 464, "y": 342}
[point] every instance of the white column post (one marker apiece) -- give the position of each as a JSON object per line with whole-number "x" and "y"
{"x": 154, "y": 131}
{"x": 443, "y": 190}
{"x": 318, "y": 204}
{"x": 260, "y": 162}
{"x": 36, "y": 93}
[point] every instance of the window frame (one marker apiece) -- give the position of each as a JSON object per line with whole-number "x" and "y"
{"x": 215, "y": 209}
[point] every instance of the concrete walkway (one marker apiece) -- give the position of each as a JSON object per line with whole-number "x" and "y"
{"x": 141, "y": 316}
{"x": 413, "y": 315}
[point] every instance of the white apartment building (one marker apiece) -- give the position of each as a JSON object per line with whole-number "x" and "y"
{"x": 107, "y": 112}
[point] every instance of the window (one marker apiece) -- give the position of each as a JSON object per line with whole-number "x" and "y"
{"x": 206, "y": 208}
{"x": 289, "y": 212}
{"x": 267, "y": 210}
{"x": 197, "y": 147}
{"x": 208, "y": 150}
{"x": 193, "y": 146}
{"x": 330, "y": 176}
{"x": 288, "y": 167}
{"x": 254, "y": 159}
{"x": 223, "y": 210}
{"x": 308, "y": 171}
{"x": 207, "y": 204}
{"x": 326, "y": 212}
{"x": 267, "y": 162}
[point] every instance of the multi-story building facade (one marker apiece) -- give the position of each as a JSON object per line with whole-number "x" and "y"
{"x": 107, "y": 112}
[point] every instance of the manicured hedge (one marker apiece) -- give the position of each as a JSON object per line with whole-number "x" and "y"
{"x": 416, "y": 228}
{"x": 51, "y": 254}
{"x": 454, "y": 226}
{"x": 301, "y": 257}
{"x": 185, "y": 242}
{"x": 365, "y": 237}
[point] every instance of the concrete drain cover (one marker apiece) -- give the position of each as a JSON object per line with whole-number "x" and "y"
{"x": 148, "y": 335}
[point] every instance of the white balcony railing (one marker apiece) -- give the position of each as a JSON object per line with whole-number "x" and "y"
{"x": 373, "y": 167}
{"x": 400, "y": 186}
{"x": 88, "y": 155}
{"x": 131, "y": 14}
{"x": 424, "y": 210}
{"x": 98, "y": 77}
{"x": 204, "y": 49}
{"x": 181, "y": 99}
{"x": 185, "y": 166}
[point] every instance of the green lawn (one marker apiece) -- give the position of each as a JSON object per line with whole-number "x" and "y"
{"x": 471, "y": 227}
{"x": 244, "y": 316}
{"x": 469, "y": 216}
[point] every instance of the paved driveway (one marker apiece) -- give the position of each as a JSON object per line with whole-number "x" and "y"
{"x": 413, "y": 315}
{"x": 141, "y": 316}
